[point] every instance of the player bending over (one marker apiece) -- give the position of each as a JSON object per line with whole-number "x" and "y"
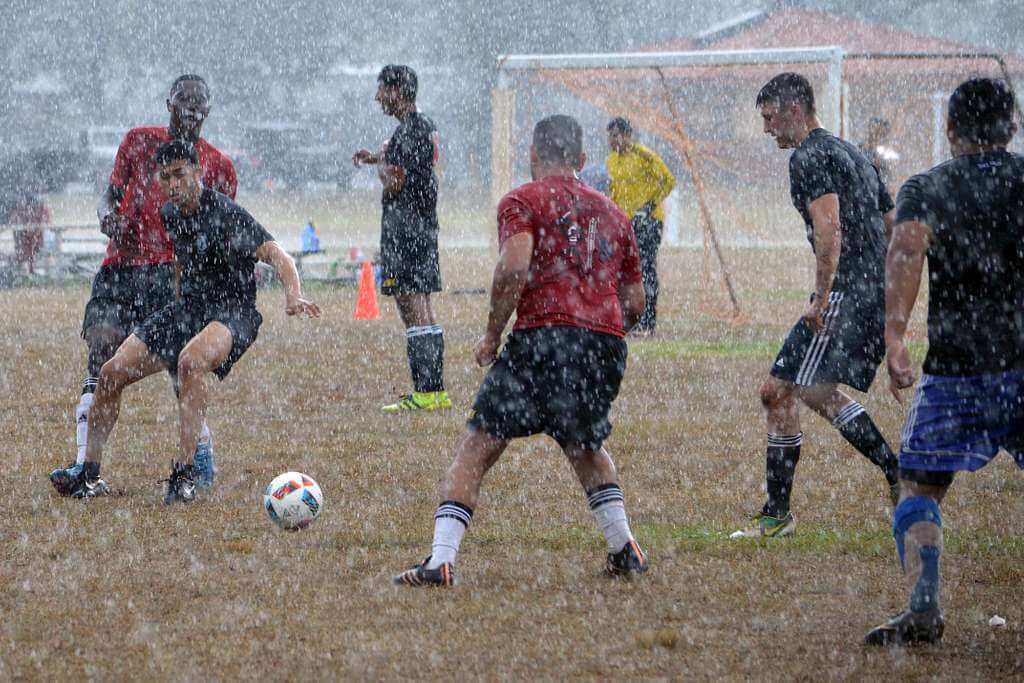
{"x": 210, "y": 325}
{"x": 838, "y": 339}
{"x": 136, "y": 278}
{"x": 570, "y": 269}
{"x": 966, "y": 216}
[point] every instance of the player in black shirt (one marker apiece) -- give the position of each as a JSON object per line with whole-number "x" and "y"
{"x": 838, "y": 340}
{"x": 408, "y": 234}
{"x": 207, "y": 328}
{"x": 966, "y": 216}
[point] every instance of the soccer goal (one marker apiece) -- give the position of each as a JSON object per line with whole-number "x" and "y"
{"x": 697, "y": 110}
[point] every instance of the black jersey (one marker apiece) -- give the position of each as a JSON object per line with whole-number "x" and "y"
{"x": 216, "y": 251}
{"x": 413, "y": 147}
{"x": 825, "y": 164}
{"x": 974, "y": 205}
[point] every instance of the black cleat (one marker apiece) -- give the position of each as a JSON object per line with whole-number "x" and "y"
{"x": 63, "y": 478}
{"x": 628, "y": 562}
{"x": 87, "y": 488}
{"x": 419, "y": 575}
{"x": 181, "y": 486}
{"x": 908, "y": 628}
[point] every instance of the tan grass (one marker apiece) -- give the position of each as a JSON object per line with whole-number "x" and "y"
{"x": 126, "y": 588}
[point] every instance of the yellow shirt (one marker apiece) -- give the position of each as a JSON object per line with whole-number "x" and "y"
{"x": 639, "y": 176}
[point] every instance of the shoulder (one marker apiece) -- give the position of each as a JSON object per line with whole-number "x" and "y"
{"x": 645, "y": 153}
{"x": 141, "y": 139}
{"x": 524, "y": 195}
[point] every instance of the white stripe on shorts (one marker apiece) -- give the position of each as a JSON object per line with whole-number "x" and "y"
{"x": 816, "y": 350}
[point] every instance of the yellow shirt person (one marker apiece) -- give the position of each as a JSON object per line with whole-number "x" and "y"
{"x": 639, "y": 177}
{"x": 640, "y": 181}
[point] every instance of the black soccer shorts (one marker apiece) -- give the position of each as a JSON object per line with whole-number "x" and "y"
{"x": 124, "y": 296}
{"x": 169, "y": 330}
{"x": 559, "y": 381}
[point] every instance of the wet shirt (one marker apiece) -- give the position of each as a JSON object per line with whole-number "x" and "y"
{"x": 413, "y": 147}
{"x": 825, "y": 164}
{"x": 144, "y": 240}
{"x": 584, "y": 250}
{"x": 974, "y": 206}
{"x": 216, "y": 251}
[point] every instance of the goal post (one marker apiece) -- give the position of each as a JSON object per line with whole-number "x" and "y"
{"x": 503, "y": 98}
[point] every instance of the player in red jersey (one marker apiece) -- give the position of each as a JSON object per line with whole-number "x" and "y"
{"x": 137, "y": 276}
{"x": 570, "y": 269}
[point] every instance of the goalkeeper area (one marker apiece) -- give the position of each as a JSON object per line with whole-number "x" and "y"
{"x": 696, "y": 109}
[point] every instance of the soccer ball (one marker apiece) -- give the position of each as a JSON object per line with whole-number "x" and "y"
{"x": 293, "y": 500}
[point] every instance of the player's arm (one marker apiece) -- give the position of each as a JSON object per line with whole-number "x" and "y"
{"x": 662, "y": 180}
{"x": 888, "y": 218}
{"x": 283, "y": 264}
{"x": 828, "y": 241}
{"x": 507, "y": 285}
{"x": 904, "y": 263}
{"x": 633, "y": 300}
{"x": 392, "y": 177}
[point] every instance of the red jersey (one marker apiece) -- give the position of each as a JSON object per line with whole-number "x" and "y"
{"x": 584, "y": 249}
{"x": 144, "y": 240}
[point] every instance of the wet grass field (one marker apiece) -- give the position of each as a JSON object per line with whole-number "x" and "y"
{"x": 125, "y": 588}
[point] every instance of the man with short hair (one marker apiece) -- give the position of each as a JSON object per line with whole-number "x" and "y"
{"x": 838, "y": 340}
{"x": 965, "y": 216}
{"x": 639, "y": 182}
{"x": 206, "y": 329}
{"x": 409, "y": 258}
{"x": 569, "y": 268}
{"x": 136, "y": 278}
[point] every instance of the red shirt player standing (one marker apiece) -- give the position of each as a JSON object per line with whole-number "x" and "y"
{"x": 570, "y": 268}
{"x": 137, "y": 277}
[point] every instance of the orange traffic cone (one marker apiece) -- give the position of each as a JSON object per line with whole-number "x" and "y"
{"x": 366, "y": 302}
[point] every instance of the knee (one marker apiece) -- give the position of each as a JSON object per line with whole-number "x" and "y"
{"x": 772, "y": 396}
{"x": 190, "y": 366}
{"x": 113, "y": 376}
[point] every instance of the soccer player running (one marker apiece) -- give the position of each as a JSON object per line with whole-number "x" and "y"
{"x": 966, "y": 216}
{"x": 408, "y": 234}
{"x": 136, "y": 278}
{"x": 838, "y": 339}
{"x": 207, "y": 328}
{"x": 569, "y": 268}
{"x": 639, "y": 182}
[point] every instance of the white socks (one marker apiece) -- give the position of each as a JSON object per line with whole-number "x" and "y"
{"x": 450, "y": 523}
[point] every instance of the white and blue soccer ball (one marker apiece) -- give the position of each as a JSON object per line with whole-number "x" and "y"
{"x": 293, "y": 500}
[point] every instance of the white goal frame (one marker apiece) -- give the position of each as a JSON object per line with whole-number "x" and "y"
{"x": 503, "y": 97}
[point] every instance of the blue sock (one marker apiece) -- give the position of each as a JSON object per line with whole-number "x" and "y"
{"x": 917, "y": 528}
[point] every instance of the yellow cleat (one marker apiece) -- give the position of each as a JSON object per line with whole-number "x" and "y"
{"x": 420, "y": 400}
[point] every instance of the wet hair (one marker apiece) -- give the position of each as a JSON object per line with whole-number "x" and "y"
{"x": 172, "y": 151}
{"x": 786, "y": 89}
{"x": 621, "y": 124}
{"x": 188, "y": 77}
{"x": 981, "y": 111}
{"x": 558, "y": 139}
{"x": 401, "y": 77}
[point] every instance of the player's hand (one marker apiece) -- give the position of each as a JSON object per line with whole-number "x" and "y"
{"x": 363, "y": 156}
{"x": 486, "y": 350}
{"x": 296, "y": 305}
{"x": 901, "y": 372}
{"x": 113, "y": 225}
{"x": 814, "y": 315}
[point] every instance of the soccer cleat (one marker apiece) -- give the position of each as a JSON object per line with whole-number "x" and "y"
{"x": 767, "y": 526}
{"x": 908, "y": 628}
{"x": 420, "y": 400}
{"x": 85, "y": 488}
{"x": 63, "y": 478}
{"x": 181, "y": 486}
{"x": 627, "y": 563}
{"x": 203, "y": 467}
{"x": 419, "y": 575}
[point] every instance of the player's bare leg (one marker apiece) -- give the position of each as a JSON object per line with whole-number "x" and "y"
{"x": 425, "y": 348}
{"x": 855, "y": 425}
{"x": 205, "y": 352}
{"x": 596, "y": 472}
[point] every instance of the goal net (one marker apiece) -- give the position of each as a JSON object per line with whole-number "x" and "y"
{"x": 696, "y": 109}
